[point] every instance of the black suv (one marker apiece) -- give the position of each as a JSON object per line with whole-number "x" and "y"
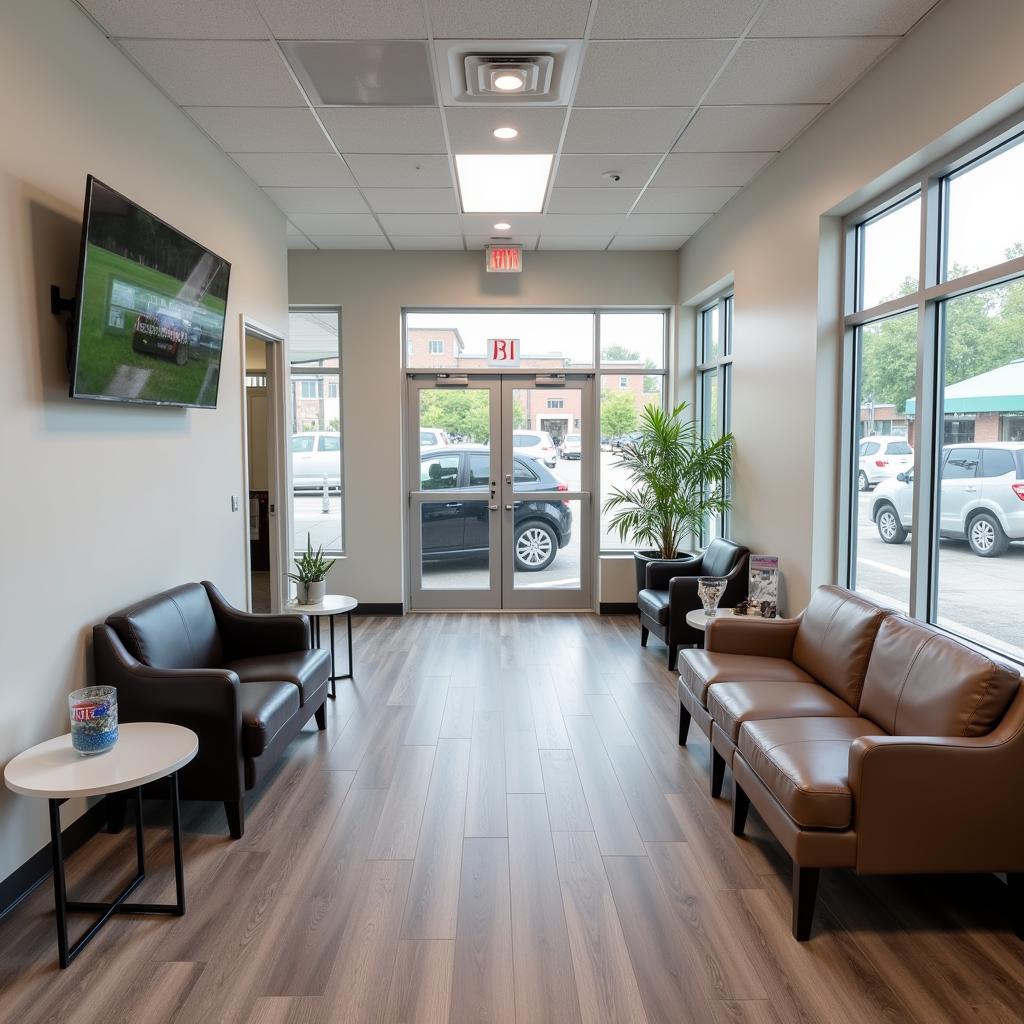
{"x": 452, "y": 529}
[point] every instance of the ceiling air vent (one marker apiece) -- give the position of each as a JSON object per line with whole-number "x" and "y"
{"x": 520, "y": 73}
{"x": 509, "y": 77}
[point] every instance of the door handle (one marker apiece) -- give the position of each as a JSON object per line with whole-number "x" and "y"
{"x": 508, "y": 508}
{"x": 492, "y": 508}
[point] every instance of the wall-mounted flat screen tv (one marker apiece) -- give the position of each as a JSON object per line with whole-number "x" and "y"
{"x": 149, "y": 320}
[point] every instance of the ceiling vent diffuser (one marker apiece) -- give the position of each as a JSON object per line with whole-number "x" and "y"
{"x": 509, "y": 77}
{"x": 519, "y": 73}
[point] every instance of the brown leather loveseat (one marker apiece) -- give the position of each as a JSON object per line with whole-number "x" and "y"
{"x": 245, "y": 684}
{"x": 866, "y": 740}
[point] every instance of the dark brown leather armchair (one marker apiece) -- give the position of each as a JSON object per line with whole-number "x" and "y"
{"x": 671, "y": 592}
{"x": 245, "y": 684}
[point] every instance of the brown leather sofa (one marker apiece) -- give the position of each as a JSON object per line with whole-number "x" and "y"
{"x": 866, "y": 740}
{"x": 671, "y": 592}
{"x": 245, "y": 684}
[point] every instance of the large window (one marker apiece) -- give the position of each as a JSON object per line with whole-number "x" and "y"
{"x": 714, "y": 379}
{"x": 316, "y": 441}
{"x": 935, "y": 346}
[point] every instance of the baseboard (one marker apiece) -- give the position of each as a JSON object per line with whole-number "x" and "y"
{"x": 387, "y": 608}
{"x": 618, "y": 608}
{"x": 20, "y": 882}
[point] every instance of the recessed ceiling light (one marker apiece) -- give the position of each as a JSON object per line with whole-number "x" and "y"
{"x": 502, "y": 226}
{"x": 505, "y": 133}
{"x": 492, "y": 183}
{"x": 508, "y": 82}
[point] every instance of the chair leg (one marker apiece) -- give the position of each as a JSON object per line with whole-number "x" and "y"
{"x": 740, "y": 806}
{"x": 644, "y": 634}
{"x": 805, "y": 892}
{"x": 684, "y": 723}
{"x": 321, "y": 716}
{"x": 117, "y": 804}
{"x": 717, "y": 773}
{"x": 673, "y": 654}
{"x": 235, "y": 810}
{"x": 1015, "y": 881}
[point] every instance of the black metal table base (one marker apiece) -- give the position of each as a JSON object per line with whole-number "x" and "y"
{"x": 68, "y": 951}
{"x": 334, "y": 677}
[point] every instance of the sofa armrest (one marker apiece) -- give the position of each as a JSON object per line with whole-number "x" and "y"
{"x": 939, "y": 803}
{"x": 660, "y": 573}
{"x": 766, "y": 638}
{"x": 250, "y": 634}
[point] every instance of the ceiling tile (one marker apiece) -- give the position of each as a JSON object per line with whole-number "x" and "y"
{"x": 350, "y": 241}
{"x": 411, "y": 200}
{"x": 288, "y": 130}
{"x": 335, "y": 223}
{"x": 427, "y": 242}
{"x": 384, "y": 129}
{"x": 628, "y": 129}
{"x": 498, "y": 19}
{"x": 184, "y": 19}
{"x": 580, "y": 224}
{"x": 648, "y": 242}
{"x": 710, "y": 168}
{"x": 471, "y": 129}
{"x": 299, "y": 242}
{"x": 840, "y": 17}
{"x": 322, "y": 170}
{"x": 391, "y": 171}
{"x": 421, "y": 223}
{"x": 671, "y": 19}
{"x": 664, "y": 223}
{"x": 571, "y": 243}
{"x": 686, "y": 199}
{"x": 592, "y": 200}
{"x": 216, "y": 72}
{"x": 795, "y": 70}
{"x": 588, "y": 171}
{"x": 479, "y": 241}
{"x": 483, "y": 224}
{"x": 344, "y": 19}
{"x": 745, "y": 129}
{"x": 318, "y": 200}
{"x": 649, "y": 72}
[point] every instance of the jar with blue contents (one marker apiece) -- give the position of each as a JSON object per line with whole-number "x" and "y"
{"x": 93, "y": 711}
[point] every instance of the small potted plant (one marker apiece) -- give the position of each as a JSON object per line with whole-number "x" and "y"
{"x": 676, "y": 482}
{"x": 310, "y": 576}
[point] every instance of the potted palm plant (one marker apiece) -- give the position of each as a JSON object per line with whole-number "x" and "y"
{"x": 310, "y": 576}
{"x": 676, "y": 483}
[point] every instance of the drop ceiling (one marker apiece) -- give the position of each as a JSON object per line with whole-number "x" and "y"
{"x": 670, "y": 109}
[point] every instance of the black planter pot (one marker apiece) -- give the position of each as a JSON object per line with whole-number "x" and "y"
{"x": 641, "y": 558}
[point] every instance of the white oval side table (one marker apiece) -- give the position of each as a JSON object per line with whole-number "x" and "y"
{"x": 144, "y": 752}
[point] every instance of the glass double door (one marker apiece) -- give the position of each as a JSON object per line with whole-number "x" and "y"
{"x": 500, "y": 476}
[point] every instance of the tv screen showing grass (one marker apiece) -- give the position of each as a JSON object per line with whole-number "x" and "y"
{"x": 151, "y": 308}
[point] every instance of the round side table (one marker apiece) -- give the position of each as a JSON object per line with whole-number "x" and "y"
{"x": 331, "y": 605}
{"x": 697, "y": 619}
{"x": 144, "y": 752}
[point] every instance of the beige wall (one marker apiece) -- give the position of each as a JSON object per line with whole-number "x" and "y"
{"x": 778, "y": 243}
{"x": 102, "y": 505}
{"x": 372, "y": 288}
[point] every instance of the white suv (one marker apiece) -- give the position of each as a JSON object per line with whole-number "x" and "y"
{"x": 316, "y": 455}
{"x": 982, "y": 498}
{"x": 535, "y": 444}
{"x": 882, "y": 457}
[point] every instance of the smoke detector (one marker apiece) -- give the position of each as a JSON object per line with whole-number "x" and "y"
{"x": 520, "y": 73}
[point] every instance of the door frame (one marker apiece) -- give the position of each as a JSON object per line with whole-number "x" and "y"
{"x": 278, "y": 466}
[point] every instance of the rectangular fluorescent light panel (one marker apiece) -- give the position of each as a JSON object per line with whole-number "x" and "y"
{"x": 503, "y": 183}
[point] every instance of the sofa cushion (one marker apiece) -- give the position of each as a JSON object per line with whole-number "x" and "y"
{"x": 923, "y": 683}
{"x": 732, "y": 704}
{"x": 804, "y": 763}
{"x": 266, "y": 709}
{"x": 835, "y": 638}
{"x": 307, "y": 670}
{"x": 699, "y": 669}
{"x": 654, "y": 604}
{"x": 175, "y": 629}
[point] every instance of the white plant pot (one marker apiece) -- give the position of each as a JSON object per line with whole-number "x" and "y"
{"x": 315, "y": 592}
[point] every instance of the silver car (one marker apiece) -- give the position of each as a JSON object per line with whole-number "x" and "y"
{"x": 882, "y": 457}
{"x": 982, "y": 498}
{"x": 315, "y": 455}
{"x": 535, "y": 444}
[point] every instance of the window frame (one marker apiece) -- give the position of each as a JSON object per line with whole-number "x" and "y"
{"x": 929, "y": 300}
{"x": 719, "y": 366}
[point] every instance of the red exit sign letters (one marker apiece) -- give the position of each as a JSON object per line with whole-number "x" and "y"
{"x": 504, "y": 259}
{"x": 503, "y": 351}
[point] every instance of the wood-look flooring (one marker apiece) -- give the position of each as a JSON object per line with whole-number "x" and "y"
{"x": 499, "y": 826}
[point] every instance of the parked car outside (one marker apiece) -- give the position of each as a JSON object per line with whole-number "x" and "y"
{"x": 535, "y": 444}
{"x": 316, "y": 454}
{"x": 571, "y": 447}
{"x": 618, "y": 443}
{"x": 454, "y": 529}
{"x": 434, "y": 437}
{"x": 882, "y": 457}
{"x": 982, "y": 498}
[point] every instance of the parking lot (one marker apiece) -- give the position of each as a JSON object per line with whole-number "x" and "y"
{"x": 980, "y": 598}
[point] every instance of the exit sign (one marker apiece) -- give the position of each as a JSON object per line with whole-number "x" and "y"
{"x": 504, "y": 259}
{"x": 503, "y": 351}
